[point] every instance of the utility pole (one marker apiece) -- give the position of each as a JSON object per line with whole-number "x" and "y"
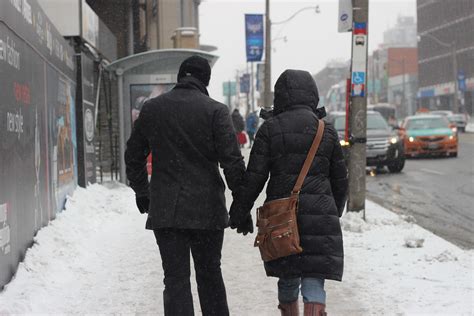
{"x": 455, "y": 76}
{"x": 358, "y": 108}
{"x": 252, "y": 86}
{"x": 267, "y": 102}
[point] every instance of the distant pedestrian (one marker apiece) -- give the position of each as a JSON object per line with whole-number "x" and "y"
{"x": 281, "y": 146}
{"x": 189, "y": 135}
{"x": 239, "y": 127}
{"x": 251, "y": 125}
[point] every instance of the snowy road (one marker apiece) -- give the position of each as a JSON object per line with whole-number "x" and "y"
{"x": 97, "y": 258}
{"x": 438, "y": 192}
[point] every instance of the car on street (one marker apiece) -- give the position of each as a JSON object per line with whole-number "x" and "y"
{"x": 383, "y": 147}
{"x": 428, "y": 135}
{"x": 442, "y": 112}
{"x": 460, "y": 120}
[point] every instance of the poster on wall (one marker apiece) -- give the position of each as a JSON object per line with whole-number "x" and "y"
{"x": 140, "y": 93}
{"x": 37, "y": 149}
{"x": 62, "y": 118}
{"x": 88, "y": 120}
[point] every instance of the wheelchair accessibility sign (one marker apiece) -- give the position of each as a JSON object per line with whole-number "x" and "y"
{"x": 358, "y": 84}
{"x": 358, "y": 77}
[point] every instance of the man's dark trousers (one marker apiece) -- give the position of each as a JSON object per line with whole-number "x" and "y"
{"x": 205, "y": 246}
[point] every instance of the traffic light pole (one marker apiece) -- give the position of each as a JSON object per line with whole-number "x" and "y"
{"x": 358, "y": 107}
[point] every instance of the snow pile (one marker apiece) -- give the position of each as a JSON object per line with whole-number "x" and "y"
{"x": 470, "y": 127}
{"x": 97, "y": 258}
{"x": 397, "y": 267}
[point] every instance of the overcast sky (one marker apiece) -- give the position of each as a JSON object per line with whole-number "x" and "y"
{"x": 312, "y": 39}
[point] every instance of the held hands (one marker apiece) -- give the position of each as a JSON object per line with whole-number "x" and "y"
{"x": 243, "y": 226}
{"x": 143, "y": 203}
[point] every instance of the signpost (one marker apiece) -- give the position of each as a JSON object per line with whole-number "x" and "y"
{"x": 229, "y": 89}
{"x": 358, "y": 107}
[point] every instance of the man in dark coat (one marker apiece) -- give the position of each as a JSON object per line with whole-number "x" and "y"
{"x": 188, "y": 135}
{"x": 281, "y": 146}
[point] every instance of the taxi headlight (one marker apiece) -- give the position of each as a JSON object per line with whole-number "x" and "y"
{"x": 411, "y": 139}
{"x": 451, "y": 137}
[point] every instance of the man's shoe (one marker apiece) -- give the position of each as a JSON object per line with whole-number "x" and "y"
{"x": 314, "y": 309}
{"x": 289, "y": 309}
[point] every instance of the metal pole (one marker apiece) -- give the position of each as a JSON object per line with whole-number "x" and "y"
{"x": 358, "y": 122}
{"x": 455, "y": 73}
{"x": 229, "y": 94}
{"x": 252, "y": 86}
{"x": 405, "y": 106}
{"x": 268, "y": 56}
{"x": 121, "y": 126}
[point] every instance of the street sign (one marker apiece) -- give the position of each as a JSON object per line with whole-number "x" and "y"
{"x": 254, "y": 36}
{"x": 345, "y": 16}
{"x": 359, "y": 59}
{"x": 229, "y": 88}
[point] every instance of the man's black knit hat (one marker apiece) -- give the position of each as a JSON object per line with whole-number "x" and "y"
{"x": 197, "y": 67}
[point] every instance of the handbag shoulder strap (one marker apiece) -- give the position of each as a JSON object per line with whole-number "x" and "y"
{"x": 309, "y": 158}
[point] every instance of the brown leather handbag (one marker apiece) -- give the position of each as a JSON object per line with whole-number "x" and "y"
{"x": 277, "y": 223}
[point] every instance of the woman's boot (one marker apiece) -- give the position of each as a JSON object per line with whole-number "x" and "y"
{"x": 289, "y": 309}
{"x": 314, "y": 309}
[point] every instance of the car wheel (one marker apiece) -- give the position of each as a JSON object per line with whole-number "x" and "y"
{"x": 397, "y": 165}
{"x": 455, "y": 154}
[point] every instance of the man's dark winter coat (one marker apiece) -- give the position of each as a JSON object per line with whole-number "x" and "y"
{"x": 280, "y": 148}
{"x": 188, "y": 134}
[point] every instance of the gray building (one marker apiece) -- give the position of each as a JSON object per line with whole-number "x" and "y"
{"x": 329, "y": 80}
{"x": 403, "y": 34}
{"x": 446, "y": 54}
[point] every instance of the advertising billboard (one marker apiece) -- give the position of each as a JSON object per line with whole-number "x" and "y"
{"x": 37, "y": 124}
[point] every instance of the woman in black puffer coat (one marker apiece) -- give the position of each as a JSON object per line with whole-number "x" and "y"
{"x": 280, "y": 148}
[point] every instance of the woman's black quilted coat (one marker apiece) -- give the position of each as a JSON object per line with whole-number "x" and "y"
{"x": 280, "y": 148}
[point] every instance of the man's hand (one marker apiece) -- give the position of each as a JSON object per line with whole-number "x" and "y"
{"x": 143, "y": 204}
{"x": 244, "y": 227}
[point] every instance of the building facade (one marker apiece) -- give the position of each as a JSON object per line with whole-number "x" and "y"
{"x": 446, "y": 54}
{"x": 142, "y": 25}
{"x": 403, "y": 34}
{"x": 393, "y": 69}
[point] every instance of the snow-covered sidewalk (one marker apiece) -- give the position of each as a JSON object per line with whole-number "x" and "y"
{"x": 97, "y": 258}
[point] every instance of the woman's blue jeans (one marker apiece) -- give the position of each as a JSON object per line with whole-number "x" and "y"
{"x": 312, "y": 290}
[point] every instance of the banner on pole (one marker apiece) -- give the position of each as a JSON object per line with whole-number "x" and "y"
{"x": 245, "y": 83}
{"x": 345, "y": 16}
{"x": 254, "y": 36}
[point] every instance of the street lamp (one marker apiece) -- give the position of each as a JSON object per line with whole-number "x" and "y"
{"x": 267, "y": 102}
{"x": 451, "y": 45}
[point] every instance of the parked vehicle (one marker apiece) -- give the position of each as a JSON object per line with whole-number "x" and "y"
{"x": 388, "y": 111}
{"x": 442, "y": 112}
{"x": 428, "y": 135}
{"x": 384, "y": 147}
{"x": 460, "y": 120}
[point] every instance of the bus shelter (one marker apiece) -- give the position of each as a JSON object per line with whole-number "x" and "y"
{"x": 144, "y": 76}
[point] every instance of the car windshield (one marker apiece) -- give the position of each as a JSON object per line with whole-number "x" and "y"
{"x": 444, "y": 113}
{"x": 456, "y": 117}
{"x": 374, "y": 121}
{"x": 427, "y": 123}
